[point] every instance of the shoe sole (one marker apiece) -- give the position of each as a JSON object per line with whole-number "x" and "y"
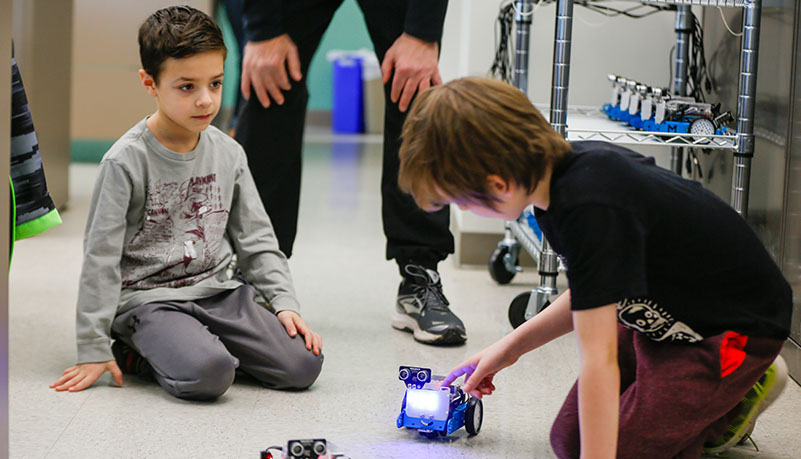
{"x": 780, "y": 380}
{"x": 405, "y": 323}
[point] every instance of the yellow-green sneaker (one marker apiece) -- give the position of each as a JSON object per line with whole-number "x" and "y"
{"x": 764, "y": 392}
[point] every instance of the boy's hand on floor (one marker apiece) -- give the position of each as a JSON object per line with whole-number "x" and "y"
{"x": 84, "y": 375}
{"x": 294, "y": 325}
{"x": 480, "y": 369}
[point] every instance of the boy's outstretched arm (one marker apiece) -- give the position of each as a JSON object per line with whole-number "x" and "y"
{"x": 100, "y": 281}
{"x": 84, "y": 375}
{"x": 553, "y": 322}
{"x": 599, "y": 381}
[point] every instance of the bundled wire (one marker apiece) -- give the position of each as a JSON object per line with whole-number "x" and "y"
{"x": 593, "y": 5}
{"x": 503, "y": 65}
{"x": 697, "y": 74}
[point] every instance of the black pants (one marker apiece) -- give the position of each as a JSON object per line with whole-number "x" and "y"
{"x": 273, "y": 140}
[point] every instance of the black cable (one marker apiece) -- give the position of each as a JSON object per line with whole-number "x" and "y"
{"x": 612, "y": 12}
{"x": 502, "y": 65}
{"x": 693, "y": 163}
{"x": 697, "y": 73}
{"x": 277, "y": 448}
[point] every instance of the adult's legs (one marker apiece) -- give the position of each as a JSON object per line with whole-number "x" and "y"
{"x": 412, "y": 234}
{"x": 415, "y": 239}
{"x": 188, "y": 360}
{"x": 679, "y": 398}
{"x": 273, "y": 137}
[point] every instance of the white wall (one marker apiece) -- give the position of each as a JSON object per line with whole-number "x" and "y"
{"x": 42, "y": 42}
{"x": 635, "y": 48}
{"x": 105, "y": 58}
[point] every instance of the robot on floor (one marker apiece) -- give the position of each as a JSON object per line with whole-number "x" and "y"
{"x": 434, "y": 410}
{"x": 312, "y": 448}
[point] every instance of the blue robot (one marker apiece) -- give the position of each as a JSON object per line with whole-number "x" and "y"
{"x": 672, "y": 114}
{"x": 433, "y": 410}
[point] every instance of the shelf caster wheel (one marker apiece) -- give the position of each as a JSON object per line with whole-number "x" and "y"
{"x": 473, "y": 416}
{"x": 517, "y": 309}
{"x": 499, "y": 263}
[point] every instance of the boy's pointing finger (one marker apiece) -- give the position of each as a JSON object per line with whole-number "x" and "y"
{"x": 456, "y": 373}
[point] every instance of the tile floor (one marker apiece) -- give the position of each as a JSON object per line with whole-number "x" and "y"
{"x": 347, "y": 291}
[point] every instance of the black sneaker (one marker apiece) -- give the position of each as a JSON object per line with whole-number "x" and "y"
{"x": 130, "y": 361}
{"x": 423, "y": 309}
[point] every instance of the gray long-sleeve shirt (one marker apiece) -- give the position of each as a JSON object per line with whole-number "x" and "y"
{"x": 163, "y": 226}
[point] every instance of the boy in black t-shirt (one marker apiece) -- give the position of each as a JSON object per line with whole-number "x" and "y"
{"x": 679, "y": 310}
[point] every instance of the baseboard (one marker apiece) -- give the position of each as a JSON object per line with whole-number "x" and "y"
{"x": 474, "y": 249}
{"x": 318, "y": 118}
{"x": 792, "y": 355}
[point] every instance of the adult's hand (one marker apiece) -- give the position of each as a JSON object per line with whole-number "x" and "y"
{"x": 264, "y": 66}
{"x": 415, "y": 65}
{"x": 84, "y": 375}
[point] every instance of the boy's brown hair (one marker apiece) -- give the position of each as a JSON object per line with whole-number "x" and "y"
{"x": 176, "y": 31}
{"x": 458, "y": 134}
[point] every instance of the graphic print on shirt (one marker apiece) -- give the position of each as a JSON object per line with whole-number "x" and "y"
{"x": 179, "y": 240}
{"x": 648, "y": 318}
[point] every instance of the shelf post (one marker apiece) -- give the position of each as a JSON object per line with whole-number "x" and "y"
{"x": 524, "y": 10}
{"x": 749, "y": 52}
{"x": 684, "y": 27}
{"x": 548, "y": 265}
{"x": 561, "y": 65}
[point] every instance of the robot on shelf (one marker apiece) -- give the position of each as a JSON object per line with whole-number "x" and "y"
{"x": 657, "y": 110}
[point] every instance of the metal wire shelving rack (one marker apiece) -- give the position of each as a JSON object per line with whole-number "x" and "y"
{"x": 589, "y": 123}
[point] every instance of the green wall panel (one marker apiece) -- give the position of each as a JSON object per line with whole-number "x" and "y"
{"x": 89, "y": 150}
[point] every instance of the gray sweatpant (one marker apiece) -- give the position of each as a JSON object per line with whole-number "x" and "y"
{"x": 195, "y": 346}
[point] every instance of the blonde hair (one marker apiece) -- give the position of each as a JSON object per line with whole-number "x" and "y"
{"x": 459, "y": 133}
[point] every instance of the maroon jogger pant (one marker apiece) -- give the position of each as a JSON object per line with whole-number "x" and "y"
{"x": 673, "y": 397}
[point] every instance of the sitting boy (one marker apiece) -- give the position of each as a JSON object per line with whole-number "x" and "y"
{"x": 173, "y": 203}
{"x": 679, "y": 310}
